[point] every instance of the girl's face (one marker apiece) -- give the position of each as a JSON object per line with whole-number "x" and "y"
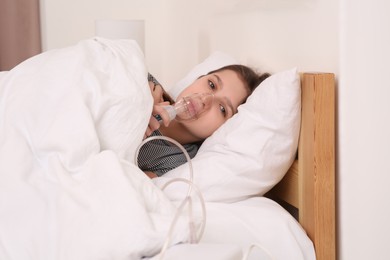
{"x": 229, "y": 92}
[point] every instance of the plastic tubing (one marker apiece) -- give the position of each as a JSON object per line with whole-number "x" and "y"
{"x": 178, "y": 145}
{"x": 186, "y": 200}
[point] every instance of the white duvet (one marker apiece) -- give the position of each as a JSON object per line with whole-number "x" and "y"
{"x": 70, "y": 122}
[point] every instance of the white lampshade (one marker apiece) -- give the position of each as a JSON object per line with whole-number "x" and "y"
{"x": 122, "y": 29}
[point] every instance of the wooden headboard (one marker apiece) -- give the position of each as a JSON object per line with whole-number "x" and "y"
{"x": 309, "y": 185}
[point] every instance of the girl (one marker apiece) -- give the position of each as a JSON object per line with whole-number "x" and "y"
{"x": 231, "y": 85}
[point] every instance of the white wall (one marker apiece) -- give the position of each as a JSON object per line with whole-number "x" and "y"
{"x": 347, "y": 37}
{"x": 269, "y": 34}
{"x": 364, "y": 127}
{"x": 171, "y": 44}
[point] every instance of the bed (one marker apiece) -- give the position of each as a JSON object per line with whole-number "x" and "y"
{"x": 309, "y": 185}
{"x": 307, "y": 190}
{"x": 70, "y": 189}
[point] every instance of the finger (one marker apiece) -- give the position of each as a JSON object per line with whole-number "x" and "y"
{"x": 163, "y": 116}
{"x": 158, "y": 93}
{"x": 164, "y": 103}
{"x": 160, "y": 106}
{"x": 151, "y": 86}
{"x": 154, "y": 124}
{"x": 148, "y": 132}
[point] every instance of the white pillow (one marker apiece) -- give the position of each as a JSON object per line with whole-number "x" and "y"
{"x": 252, "y": 151}
{"x": 216, "y": 60}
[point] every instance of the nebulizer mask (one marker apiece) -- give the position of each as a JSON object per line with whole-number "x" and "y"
{"x": 189, "y": 107}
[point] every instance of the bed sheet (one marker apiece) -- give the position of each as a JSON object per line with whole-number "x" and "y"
{"x": 231, "y": 228}
{"x": 261, "y": 221}
{"x": 70, "y": 122}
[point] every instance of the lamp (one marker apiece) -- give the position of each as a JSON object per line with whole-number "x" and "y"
{"x": 122, "y": 29}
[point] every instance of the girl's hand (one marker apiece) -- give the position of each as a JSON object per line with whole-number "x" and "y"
{"x": 157, "y": 92}
{"x": 154, "y": 124}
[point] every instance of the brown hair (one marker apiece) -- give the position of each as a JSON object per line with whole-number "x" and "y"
{"x": 250, "y": 78}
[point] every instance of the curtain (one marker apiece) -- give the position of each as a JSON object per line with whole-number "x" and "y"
{"x": 20, "y": 36}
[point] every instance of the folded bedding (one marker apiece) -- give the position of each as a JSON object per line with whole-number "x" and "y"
{"x": 70, "y": 122}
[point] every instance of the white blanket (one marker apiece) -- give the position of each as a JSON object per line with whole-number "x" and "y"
{"x": 70, "y": 122}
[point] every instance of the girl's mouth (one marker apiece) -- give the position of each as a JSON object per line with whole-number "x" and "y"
{"x": 192, "y": 109}
{"x": 194, "y": 105}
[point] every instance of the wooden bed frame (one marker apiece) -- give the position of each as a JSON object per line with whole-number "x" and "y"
{"x": 309, "y": 185}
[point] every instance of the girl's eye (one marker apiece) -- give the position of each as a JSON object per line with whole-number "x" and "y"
{"x": 223, "y": 110}
{"x": 211, "y": 85}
